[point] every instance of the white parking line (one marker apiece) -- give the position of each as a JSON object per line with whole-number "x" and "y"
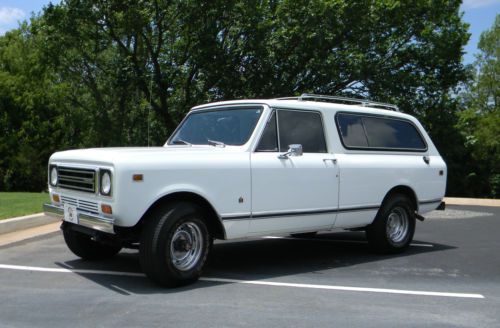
{"x": 252, "y": 282}
{"x": 61, "y": 270}
{"x": 421, "y": 245}
{"x": 338, "y": 240}
{"x": 352, "y": 289}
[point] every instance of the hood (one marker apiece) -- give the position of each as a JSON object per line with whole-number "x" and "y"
{"x": 111, "y": 156}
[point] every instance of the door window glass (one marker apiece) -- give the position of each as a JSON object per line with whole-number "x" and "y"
{"x": 300, "y": 127}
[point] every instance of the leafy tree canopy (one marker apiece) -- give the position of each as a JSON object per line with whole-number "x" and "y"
{"x": 480, "y": 120}
{"x": 124, "y": 72}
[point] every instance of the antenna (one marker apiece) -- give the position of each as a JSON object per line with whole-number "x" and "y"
{"x": 150, "y": 106}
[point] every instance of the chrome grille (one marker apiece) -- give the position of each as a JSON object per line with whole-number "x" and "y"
{"x": 76, "y": 179}
{"x": 82, "y": 205}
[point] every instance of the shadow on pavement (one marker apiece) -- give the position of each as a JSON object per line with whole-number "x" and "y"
{"x": 255, "y": 259}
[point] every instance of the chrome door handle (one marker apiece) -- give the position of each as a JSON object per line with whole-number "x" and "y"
{"x": 334, "y": 160}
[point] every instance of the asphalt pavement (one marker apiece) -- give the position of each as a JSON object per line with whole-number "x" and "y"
{"x": 450, "y": 277}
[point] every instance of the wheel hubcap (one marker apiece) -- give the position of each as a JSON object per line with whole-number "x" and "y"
{"x": 397, "y": 225}
{"x": 186, "y": 246}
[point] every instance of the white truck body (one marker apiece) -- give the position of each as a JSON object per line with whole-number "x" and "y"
{"x": 257, "y": 193}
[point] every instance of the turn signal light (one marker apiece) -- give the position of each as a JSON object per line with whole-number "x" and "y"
{"x": 137, "y": 177}
{"x": 106, "y": 209}
{"x": 56, "y": 199}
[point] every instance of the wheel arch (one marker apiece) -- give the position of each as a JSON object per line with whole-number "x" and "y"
{"x": 404, "y": 190}
{"x": 212, "y": 219}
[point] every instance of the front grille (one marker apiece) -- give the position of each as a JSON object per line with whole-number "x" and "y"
{"x": 76, "y": 179}
{"x": 82, "y": 205}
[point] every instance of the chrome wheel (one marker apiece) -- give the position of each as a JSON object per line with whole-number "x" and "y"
{"x": 393, "y": 228}
{"x": 397, "y": 225}
{"x": 186, "y": 246}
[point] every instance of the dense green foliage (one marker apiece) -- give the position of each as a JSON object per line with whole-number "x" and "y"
{"x": 480, "y": 120}
{"x": 124, "y": 72}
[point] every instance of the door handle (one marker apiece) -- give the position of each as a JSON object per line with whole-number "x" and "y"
{"x": 426, "y": 159}
{"x": 334, "y": 160}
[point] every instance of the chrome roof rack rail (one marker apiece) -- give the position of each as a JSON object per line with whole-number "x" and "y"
{"x": 344, "y": 100}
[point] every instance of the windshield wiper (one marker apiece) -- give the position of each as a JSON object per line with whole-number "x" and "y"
{"x": 216, "y": 143}
{"x": 181, "y": 142}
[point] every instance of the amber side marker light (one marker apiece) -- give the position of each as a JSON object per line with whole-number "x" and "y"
{"x": 106, "y": 209}
{"x": 56, "y": 198}
{"x": 137, "y": 177}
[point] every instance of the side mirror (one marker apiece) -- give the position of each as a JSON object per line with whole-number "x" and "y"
{"x": 293, "y": 150}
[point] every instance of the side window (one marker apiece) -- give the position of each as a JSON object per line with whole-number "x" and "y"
{"x": 305, "y": 128}
{"x": 352, "y": 130}
{"x": 390, "y": 133}
{"x": 269, "y": 139}
{"x": 365, "y": 132}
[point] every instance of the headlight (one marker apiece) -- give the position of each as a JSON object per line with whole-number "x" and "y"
{"x": 105, "y": 182}
{"x": 53, "y": 176}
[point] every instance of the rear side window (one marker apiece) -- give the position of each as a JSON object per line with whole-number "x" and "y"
{"x": 379, "y": 133}
{"x": 352, "y": 131}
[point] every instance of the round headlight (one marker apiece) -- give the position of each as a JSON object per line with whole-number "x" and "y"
{"x": 53, "y": 176}
{"x": 106, "y": 183}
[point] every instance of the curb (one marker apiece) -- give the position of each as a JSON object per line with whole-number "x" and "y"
{"x": 472, "y": 201}
{"x": 25, "y": 222}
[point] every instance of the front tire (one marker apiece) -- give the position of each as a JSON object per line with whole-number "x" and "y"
{"x": 394, "y": 226}
{"x": 174, "y": 245}
{"x": 83, "y": 246}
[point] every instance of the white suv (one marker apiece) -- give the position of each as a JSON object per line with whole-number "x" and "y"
{"x": 250, "y": 168}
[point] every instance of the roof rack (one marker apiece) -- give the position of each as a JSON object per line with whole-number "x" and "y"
{"x": 335, "y": 99}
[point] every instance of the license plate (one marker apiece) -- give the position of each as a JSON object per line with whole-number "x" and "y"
{"x": 70, "y": 214}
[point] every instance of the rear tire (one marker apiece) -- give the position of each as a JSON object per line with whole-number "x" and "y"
{"x": 83, "y": 246}
{"x": 394, "y": 226}
{"x": 174, "y": 245}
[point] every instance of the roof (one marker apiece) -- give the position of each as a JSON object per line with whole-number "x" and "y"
{"x": 315, "y": 102}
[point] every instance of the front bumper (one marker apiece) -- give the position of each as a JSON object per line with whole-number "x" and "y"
{"x": 89, "y": 220}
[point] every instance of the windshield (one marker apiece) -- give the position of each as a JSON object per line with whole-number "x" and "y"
{"x": 223, "y": 126}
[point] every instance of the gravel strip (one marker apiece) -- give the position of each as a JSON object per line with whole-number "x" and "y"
{"x": 455, "y": 214}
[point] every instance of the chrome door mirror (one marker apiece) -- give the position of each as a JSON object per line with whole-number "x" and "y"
{"x": 293, "y": 150}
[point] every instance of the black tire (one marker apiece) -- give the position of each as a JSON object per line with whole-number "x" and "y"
{"x": 84, "y": 247}
{"x": 304, "y": 234}
{"x": 175, "y": 244}
{"x": 394, "y": 226}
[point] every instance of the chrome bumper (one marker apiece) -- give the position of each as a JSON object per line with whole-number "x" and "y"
{"x": 88, "y": 220}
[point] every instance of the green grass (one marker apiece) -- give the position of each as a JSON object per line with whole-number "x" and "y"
{"x": 13, "y": 204}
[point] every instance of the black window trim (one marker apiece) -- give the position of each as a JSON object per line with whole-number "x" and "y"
{"x": 412, "y": 150}
{"x": 276, "y": 109}
{"x": 261, "y": 135}
{"x": 216, "y": 109}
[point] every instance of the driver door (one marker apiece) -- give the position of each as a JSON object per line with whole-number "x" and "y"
{"x": 293, "y": 193}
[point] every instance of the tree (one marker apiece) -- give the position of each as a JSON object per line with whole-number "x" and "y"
{"x": 480, "y": 120}
{"x": 30, "y": 113}
{"x": 181, "y": 52}
{"x": 126, "y": 71}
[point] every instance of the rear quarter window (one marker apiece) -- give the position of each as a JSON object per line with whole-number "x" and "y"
{"x": 371, "y": 132}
